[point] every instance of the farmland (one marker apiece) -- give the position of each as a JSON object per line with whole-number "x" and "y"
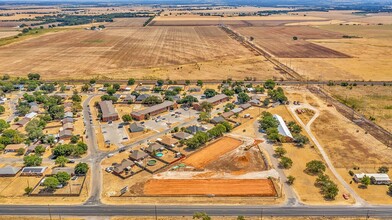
{"x": 118, "y": 51}
{"x": 279, "y": 41}
{"x": 372, "y": 65}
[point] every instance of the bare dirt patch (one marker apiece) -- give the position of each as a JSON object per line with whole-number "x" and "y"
{"x": 203, "y": 157}
{"x": 210, "y": 186}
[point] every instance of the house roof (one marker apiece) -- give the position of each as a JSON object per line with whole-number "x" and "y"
{"x": 194, "y": 129}
{"x": 23, "y": 121}
{"x": 135, "y": 127}
{"x": 168, "y": 141}
{"x": 217, "y": 119}
{"x": 237, "y": 110}
{"x": 64, "y": 133}
{"x": 118, "y": 168}
{"x": 227, "y": 114}
{"x": 34, "y": 169}
{"x": 67, "y": 120}
{"x": 255, "y": 101}
{"x": 138, "y": 154}
{"x": 129, "y": 97}
{"x": 216, "y": 98}
{"x": 68, "y": 126}
{"x": 15, "y": 146}
{"x": 154, "y": 108}
{"x": 107, "y": 109}
{"x": 282, "y": 127}
{"x": 68, "y": 115}
{"x": 31, "y": 115}
{"x": 376, "y": 176}
{"x": 142, "y": 97}
{"x": 245, "y": 106}
{"x": 153, "y": 147}
{"x": 182, "y": 135}
{"x": 9, "y": 170}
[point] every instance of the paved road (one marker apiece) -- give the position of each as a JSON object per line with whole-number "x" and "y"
{"x": 358, "y": 199}
{"x": 188, "y": 210}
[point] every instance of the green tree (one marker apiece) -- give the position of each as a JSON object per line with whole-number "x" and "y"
{"x": 152, "y": 100}
{"x": 74, "y": 139}
{"x": 266, "y": 102}
{"x": 39, "y": 150}
{"x": 51, "y": 183}
{"x": 159, "y": 82}
{"x": 365, "y": 181}
{"x": 300, "y": 139}
{"x": 201, "y": 215}
{"x": 20, "y": 151}
{"x": 3, "y": 125}
{"x": 199, "y": 83}
{"x": 206, "y": 106}
{"x": 187, "y": 82}
{"x": 2, "y": 109}
{"x": 116, "y": 86}
{"x": 210, "y": 93}
{"x": 290, "y": 180}
{"x": 280, "y": 151}
{"x": 76, "y": 98}
{"x": 383, "y": 169}
{"x": 63, "y": 177}
{"x": 294, "y": 127}
{"x": 269, "y": 84}
{"x": 81, "y": 168}
{"x": 243, "y": 97}
{"x": 390, "y": 189}
{"x": 28, "y": 190}
{"x": 126, "y": 118}
{"x": 204, "y": 116}
{"x": 93, "y": 81}
{"x": 131, "y": 81}
{"x": 315, "y": 167}
{"x": 240, "y": 217}
{"x": 32, "y": 160}
{"x": 285, "y": 162}
{"x": 268, "y": 121}
{"x": 61, "y": 161}
{"x": 330, "y": 190}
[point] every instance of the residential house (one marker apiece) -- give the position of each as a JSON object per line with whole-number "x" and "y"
{"x": 182, "y": 135}
{"x": 154, "y": 110}
{"x": 136, "y": 127}
{"x": 9, "y": 171}
{"x": 108, "y": 111}
{"x": 138, "y": 155}
{"x": 33, "y": 171}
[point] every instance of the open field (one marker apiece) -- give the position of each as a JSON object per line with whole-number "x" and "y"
{"x": 193, "y": 20}
{"x": 116, "y": 51}
{"x": 211, "y": 152}
{"x": 372, "y": 65}
{"x": 371, "y": 101}
{"x": 210, "y": 186}
{"x": 279, "y": 41}
{"x": 235, "y": 218}
{"x": 126, "y": 22}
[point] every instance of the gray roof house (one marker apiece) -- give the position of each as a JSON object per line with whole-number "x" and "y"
{"x": 135, "y": 127}
{"x": 9, "y": 171}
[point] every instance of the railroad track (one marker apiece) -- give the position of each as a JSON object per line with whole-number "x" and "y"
{"x": 369, "y": 126}
{"x": 260, "y": 51}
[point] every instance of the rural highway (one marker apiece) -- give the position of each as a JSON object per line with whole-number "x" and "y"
{"x": 189, "y": 210}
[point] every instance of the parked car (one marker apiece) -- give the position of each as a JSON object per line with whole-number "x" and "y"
{"x": 71, "y": 161}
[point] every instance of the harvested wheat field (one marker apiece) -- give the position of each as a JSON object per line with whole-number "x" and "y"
{"x": 371, "y": 54}
{"x": 91, "y": 53}
{"x": 279, "y": 41}
{"x": 213, "y": 151}
{"x": 217, "y": 187}
{"x": 127, "y": 22}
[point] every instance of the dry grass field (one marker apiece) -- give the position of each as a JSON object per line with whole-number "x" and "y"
{"x": 371, "y": 55}
{"x": 219, "y": 187}
{"x": 126, "y": 22}
{"x": 371, "y": 101}
{"x": 279, "y": 41}
{"x": 114, "y": 52}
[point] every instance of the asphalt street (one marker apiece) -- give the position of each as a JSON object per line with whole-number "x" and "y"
{"x": 185, "y": 210}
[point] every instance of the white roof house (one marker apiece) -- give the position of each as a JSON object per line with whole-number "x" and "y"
{"x": 378, "y": 177}
{"x": 31, "y": 115}
{"x": 282, "y": 128}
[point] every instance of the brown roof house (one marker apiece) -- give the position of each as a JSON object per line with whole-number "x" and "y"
{"x": 138, "y": 155}
{"x": 108, "y": 111}
{"x": 14, "y": 147}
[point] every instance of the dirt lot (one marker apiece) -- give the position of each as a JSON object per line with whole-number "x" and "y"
{"x": 119, "y": 50}
{"x": 372, "y": 65}
{"x": 203, "y": 157}
{"x": 210, "y": 186}
{"x": 279, "y": 41}
{"x": 246, "y": 217}
{"x": 375, "y": 101}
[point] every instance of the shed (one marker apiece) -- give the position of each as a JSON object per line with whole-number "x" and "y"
{"x": 282, "y": 127}
{"x": 9, "y": 171}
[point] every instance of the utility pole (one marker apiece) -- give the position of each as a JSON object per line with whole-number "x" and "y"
{"x": 50, "y": 214}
